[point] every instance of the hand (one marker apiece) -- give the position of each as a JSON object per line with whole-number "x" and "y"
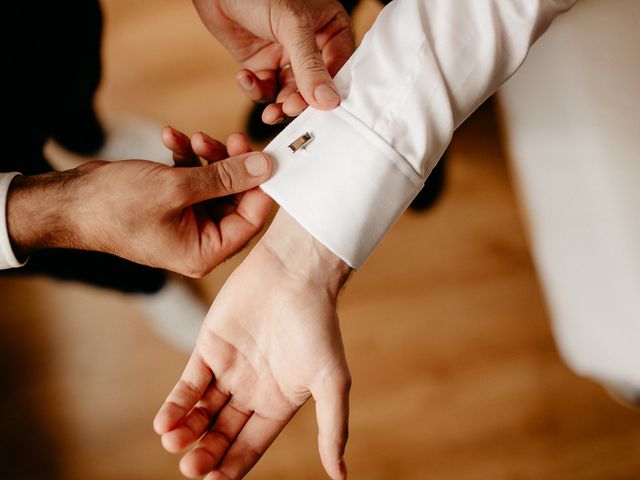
{"x": 148, "y": 212}
{"x": 313, "y": 37}
{"x": 270, "y": 341}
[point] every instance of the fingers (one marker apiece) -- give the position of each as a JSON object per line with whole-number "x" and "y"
{"x": 336, "y": 42}
{"x": 237, "y": 144}
{"x": 294, "y": 105}
{"x": 273, "y": 114}
{"x": 336, "y": 56}
{"x": 197, "y": 421}
{"x": 255, "y": 438}
{"x": 208, "y": 148}
{"x": 214, "y": 444}
{"x": 260, "y": 86}
{"x": 332, "y": 411}
{"x": 226, "y": 177}
{"x": 192, "y": 384}
{"x": 186, "y": 152}
{"x": 180, "y": 146}
{"x": 295, "y": 31}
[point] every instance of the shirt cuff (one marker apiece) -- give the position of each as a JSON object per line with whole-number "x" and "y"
{"x": 7, "y": 257}
{"x": 347, "y": 186}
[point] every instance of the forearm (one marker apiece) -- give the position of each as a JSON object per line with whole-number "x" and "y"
{"x": 303, "y": 256}
{"x": 38, "y": 213}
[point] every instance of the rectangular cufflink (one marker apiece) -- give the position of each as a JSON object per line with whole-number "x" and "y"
{"x": 301, "y": 142}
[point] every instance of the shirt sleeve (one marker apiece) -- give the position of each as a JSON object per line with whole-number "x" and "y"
{"x": 7, "y": 257}
{"x": 421, "y": 70}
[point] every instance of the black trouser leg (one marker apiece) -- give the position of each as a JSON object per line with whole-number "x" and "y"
{"x": 432, "y": 188}
{"x": 76, "y": 59}
{"x": 94, "y": 268}
{"x": 52, "y": 66}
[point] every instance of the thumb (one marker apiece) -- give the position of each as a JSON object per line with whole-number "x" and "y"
{"x": 332, "y": 412}
{"x": 297, "y": 36}
{"x": 227, "y": 177}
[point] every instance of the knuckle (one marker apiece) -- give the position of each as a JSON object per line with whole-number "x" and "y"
{"x": 343, "y": 383}
{"x": 225, "y": 176}
{"x": 342, "y": 20}
{"x": 187, "y": 386}
{"x": 195, "y": 272}
{"x": 198, "y": 273}
{"x": 347, "y": 383}
{"x": 198, "y": 269}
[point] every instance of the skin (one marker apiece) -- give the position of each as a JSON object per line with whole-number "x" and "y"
{"x": 270, "y": 342}
{"x": 274, "y": 326}
{"x": 186, "y": 219}
{"x": 312, "y": 37}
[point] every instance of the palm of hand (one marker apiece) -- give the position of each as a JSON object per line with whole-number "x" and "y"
{"x": 192, "y": 220}
{"x": 259, "y": 357}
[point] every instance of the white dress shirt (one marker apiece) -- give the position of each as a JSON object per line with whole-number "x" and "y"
{"x": 422, "y": 69}
{"x": 7, "y": 257}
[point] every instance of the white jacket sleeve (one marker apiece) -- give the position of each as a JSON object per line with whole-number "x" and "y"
{"x": 7, "y": 257}
{"x": 422, "y": 69}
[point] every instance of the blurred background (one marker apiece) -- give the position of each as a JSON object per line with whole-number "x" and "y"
{"x": 455, "y": 371}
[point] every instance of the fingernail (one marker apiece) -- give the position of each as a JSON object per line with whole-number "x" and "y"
{"x": 246, "y": 82}
{"x": 205, "y": 138}
{"x": 256, "y": 165}
{"x": 325, "y": 94}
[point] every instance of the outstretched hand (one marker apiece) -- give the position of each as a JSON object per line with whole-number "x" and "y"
{"x": 269, "y": 343}
{"x": 289, "y": 50}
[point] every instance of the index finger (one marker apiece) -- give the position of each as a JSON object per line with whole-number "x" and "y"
{"x": 190, "y": 388}
{"x": 260, "y": 86}
{"x": 178, "y": 143}
{"x": 253, "y": 440}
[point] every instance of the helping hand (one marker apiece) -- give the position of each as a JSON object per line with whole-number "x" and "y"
{"x": 186, "y": 219}
{"x": 313, "y": 37}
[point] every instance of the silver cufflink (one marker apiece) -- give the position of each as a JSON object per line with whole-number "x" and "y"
{"x": 301, "y": 142}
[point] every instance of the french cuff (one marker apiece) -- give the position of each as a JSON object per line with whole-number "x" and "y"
{"x": 7, "y": 257}
{"x": 345, "y": 185}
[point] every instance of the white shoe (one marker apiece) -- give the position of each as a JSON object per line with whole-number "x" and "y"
{"x": 174, "y": 313}
{"x": 129, "y": 138}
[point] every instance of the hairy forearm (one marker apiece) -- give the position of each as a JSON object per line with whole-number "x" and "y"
{"x": 38, "y": 212}
{"x": 303, "y": 256}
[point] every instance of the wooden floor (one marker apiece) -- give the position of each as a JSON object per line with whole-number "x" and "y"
{"x": 455, "y": 372}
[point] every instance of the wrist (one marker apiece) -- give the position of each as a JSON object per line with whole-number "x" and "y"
{"x": 38, "y": 213}
{"x": 303, "y": 256}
